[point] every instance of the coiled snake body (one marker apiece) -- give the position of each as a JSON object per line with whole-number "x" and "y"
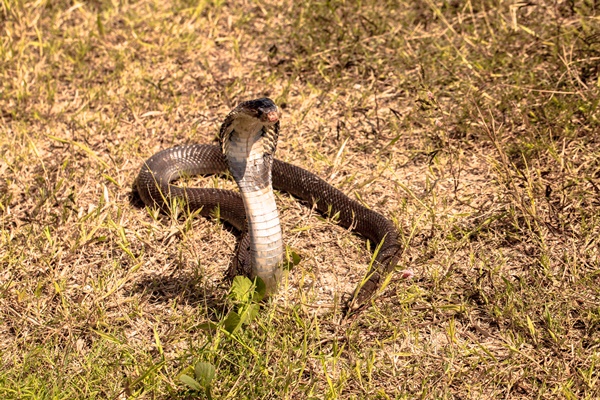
{"x": 248, "y": 138}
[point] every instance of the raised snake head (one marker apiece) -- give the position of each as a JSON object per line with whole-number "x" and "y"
{"x": 251, "y": 116}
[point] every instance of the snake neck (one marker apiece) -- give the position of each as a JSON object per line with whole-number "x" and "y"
{"x": 251, "y": 169}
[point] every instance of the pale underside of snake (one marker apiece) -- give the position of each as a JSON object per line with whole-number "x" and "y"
{"x": 248, "y": 138}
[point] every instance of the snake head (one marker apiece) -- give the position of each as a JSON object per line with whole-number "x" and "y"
{"x": 263, "y": 109}
{"x": 259, "y": 115}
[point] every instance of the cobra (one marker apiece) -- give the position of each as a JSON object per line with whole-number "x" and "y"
{"x": 248, "y": 138}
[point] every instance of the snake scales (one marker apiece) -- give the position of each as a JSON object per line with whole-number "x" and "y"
{"x": 248, "y": 138}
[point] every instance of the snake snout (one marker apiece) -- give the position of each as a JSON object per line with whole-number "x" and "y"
{"x": 272, "y": 116}
{"x": 268, "y": 115}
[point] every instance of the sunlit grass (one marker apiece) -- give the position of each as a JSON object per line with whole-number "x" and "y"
{"x": 472, "y": 125}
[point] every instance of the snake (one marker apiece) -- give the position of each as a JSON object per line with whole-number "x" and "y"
{"x": 247, "y": 141}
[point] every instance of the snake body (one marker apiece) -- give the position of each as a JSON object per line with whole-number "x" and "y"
{"x": 248, "y": 138}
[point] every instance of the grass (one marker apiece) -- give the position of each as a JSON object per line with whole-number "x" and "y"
{"x": 472, "y": 125}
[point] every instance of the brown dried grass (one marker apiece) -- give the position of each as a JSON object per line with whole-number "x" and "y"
{"x": 473, "y": 126}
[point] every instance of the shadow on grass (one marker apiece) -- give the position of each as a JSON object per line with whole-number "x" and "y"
{"x": 185, "y": 289}
{"x": 134, "y": 198}
{"x": 189, "y": 288}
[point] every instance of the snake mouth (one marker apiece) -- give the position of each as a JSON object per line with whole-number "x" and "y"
{"x": 272, "y": 116}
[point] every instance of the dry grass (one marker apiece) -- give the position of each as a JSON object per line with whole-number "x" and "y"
{"x": 472, "y": 125}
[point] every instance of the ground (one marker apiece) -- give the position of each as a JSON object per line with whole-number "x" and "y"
{"x": 474, "y": 126}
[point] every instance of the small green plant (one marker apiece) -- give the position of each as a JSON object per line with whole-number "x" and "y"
{"x": 245, "y": 295}
{"x": 204, "y": 374}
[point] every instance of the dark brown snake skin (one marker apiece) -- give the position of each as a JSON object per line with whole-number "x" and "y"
{"x": 159, "y": 170}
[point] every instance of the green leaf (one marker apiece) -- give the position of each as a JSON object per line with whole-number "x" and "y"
{"x": 251, "y": 313}
{"x": 205, "y": 372}
{"x": 208, "y": 326}
{"x": 261, "y": 289}
{"x": 292, "y": 259}
{"x": 191, "y": 382}
{"x": 296, "y": 258}
{"x": 232, "y": 322}
{"x": 100, "y": 25}
{"x": 240, "y": 288}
